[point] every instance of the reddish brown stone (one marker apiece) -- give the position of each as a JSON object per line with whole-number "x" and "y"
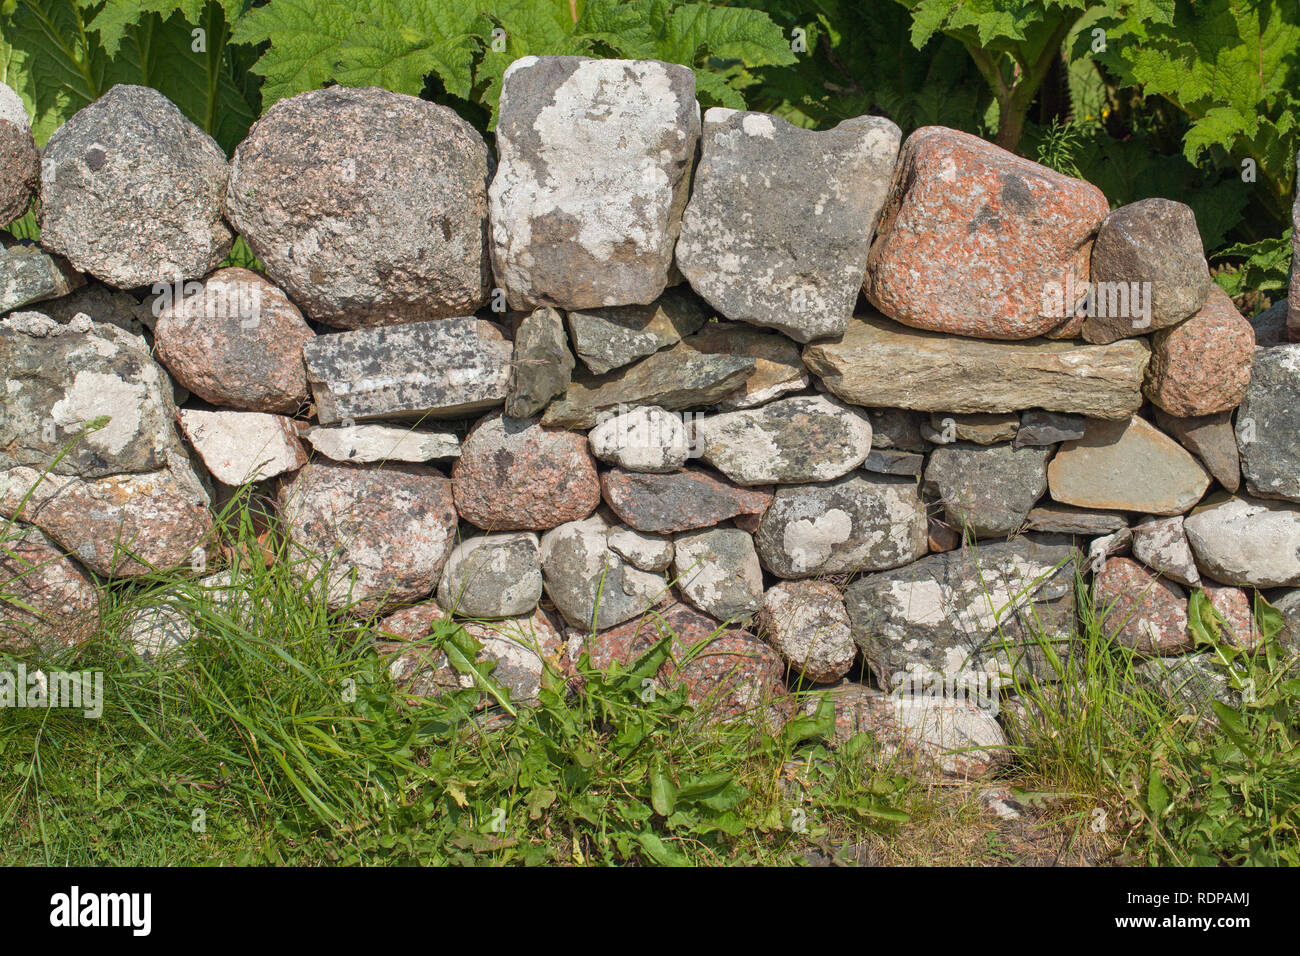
{"x": 385, "y": 531}
{"x": 1238, "y": 616}
{"x": 678, "y": 501}
{"x": 46, "y": 599}
{"x": 1140, "y": 609}
{"x": 940, "y": 536}
{"x": 19, "y": 159}
{"x": 515, "y": 475}
{"x": 122, "y": 526}
{"x": 726, "y": 672}
{"x": 1202, "y": 366}
{"x": 972, "y": 236}
{"x": 237, "y": 343}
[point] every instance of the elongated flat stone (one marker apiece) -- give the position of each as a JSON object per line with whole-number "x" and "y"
{"x": 1127, "y": 466}
{"x": 673, "y": 379}
{"x": 444, "y": 368}
{"x": 880, "y": 363}
{"x": 367, "y": 443}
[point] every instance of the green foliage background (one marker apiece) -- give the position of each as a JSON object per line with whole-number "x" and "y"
{"x": 1142, "y": 97}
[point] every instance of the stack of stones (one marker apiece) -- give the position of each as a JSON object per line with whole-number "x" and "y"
{"x": 837, "y": 408}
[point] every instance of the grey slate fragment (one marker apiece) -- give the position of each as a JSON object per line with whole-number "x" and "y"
{"x": 542, "y": 366}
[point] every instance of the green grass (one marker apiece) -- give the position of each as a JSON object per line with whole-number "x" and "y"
{"x": 279, "y": 738}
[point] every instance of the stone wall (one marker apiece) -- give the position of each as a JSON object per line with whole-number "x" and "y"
{"x": 851, "y": 409}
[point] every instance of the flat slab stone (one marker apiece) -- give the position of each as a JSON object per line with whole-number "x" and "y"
{"x": 446, "y": 368}
{"x": 1211, "y": 439}
{"x": 241, "y": 447}
{"x": 983, "y": 429}
{"x": 972, "y": 235}
{"x": 780, "y": 218}
{"x": 1268, "y": 424}
{"x": 1127, "y": 466}
{"x": 1048, "y": 428}
{"x": 789, "y": 441}
{"x": 879, "y": 363}
{"x": 778, "y": 366}
{"x": 966, "y": 616}
{"x": 1062, "y": 519}
{"x": 674, "y": 379}
{"x": 594, "y": 165}
{"x": 679, "y": 501}
{"x": 606, "y": 339}
{"x": 889, "y": 461}
{"x": 363, "y": 444}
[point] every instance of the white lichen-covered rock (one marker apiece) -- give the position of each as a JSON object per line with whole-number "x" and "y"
{"x": 644, "y": 439}
{"x": 807, "y": 624}
{"x": 61, "y": 381}
{"x": 493, "y": 575}
{"x": 862, "y": 522}
{"x": 781, "y": 218}
{"x": 1161, "y": 545}
{"x": 926, "y": 733}
{"x": 589, "y": 582}
{"x": 717, "y": 570}
{"x": 649, "y": 552}
{"x": 239, "y": 447}
{"x": 790, "y": 441}
{"x": 370, "y": 443}
{"x": 970, "y": 616}
{"x": 1245, "y": 541}
{"x": 595, "y": 160}
{"x": 158, "y": 633}
{"x": 132, "y": 191}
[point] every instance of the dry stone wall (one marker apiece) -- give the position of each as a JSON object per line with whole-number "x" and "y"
{"x": 849, "y": 410}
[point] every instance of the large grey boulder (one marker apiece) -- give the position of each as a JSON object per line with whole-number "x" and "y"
{"x": 595, "y": 163}
{"x": 493, "y": 575}
{"x": 445, "y": 368}
{"x": 368, "y": 207}
{"x": 789, "y": 441}
{"x": 970, "y": 616}
{"x": 63, "y": 380}
{"x": 1152, "y": 248}
{"x": 132, "y": 192}
{"x": 987, "y": 489}
{"x": 1268, "y": 424}
{"x": 1245, "y": 541}
{"x": 861, "y": 522}
{"x": 781, "y": 218}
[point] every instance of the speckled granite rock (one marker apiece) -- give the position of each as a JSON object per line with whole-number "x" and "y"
{"x": 46, "y": 599}
{"x": 1142, "y": 610}
{"x": 515, "y": 475}
{"x": 589, "y": 582}
{"x": 19, "y": 158}
{"x": 595, "y": 163}
{"x": 385, "y": 531}
{"x": 1161, "y": 545}
{"x": 29, "y": 275}
{"x": 132, "y": 191}
{"x": 368, "y": 207}
{"x": 235, "y": 342}
{"x": 606, "y": 339}
{"x": 971, "y": 235}
{"x": 1203, "y": 365}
